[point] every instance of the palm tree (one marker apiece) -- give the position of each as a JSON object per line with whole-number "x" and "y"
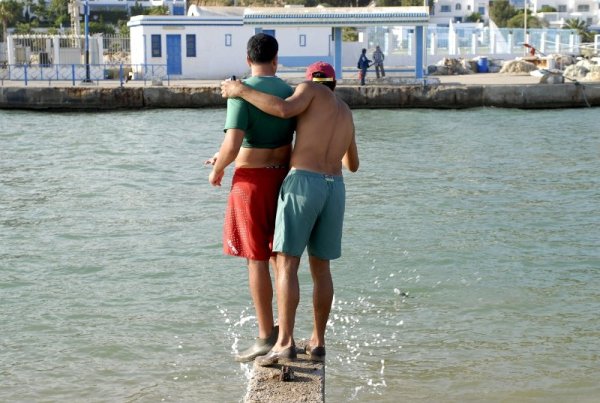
{"x": 10, "y": 10}
{"x": 581, "y": 27}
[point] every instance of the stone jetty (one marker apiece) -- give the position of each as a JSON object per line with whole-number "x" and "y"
{"x": 454, "y": 92}
{"x": 299, "y": 381}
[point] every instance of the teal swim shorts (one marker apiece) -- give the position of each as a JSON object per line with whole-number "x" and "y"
{"x": 310, "y": 213}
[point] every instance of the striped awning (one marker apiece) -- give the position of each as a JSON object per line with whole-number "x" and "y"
{"x": 337, "y": 17}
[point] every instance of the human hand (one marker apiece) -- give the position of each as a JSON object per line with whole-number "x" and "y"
{"x": 215, "y": 177}
{"x": 231, "y": 88}
{"x": 212, "y": 160}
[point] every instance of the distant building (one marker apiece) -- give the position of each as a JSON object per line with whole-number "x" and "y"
{"x": 210, "y": 43}
{"x": 444, "y": 11}
{"x": 176, "y": 7}
{"x": 588, "y": 11}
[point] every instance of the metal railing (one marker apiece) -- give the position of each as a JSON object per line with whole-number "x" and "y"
{"x": 77, "y": 73}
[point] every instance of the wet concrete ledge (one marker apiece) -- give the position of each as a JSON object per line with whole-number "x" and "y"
{"x": 436, "y": 96}
{"x": 308, "y": 384}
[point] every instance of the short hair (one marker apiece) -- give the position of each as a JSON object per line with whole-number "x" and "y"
{"x": 262, "y": 48}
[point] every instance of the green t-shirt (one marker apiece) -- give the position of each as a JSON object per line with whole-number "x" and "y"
{"x": 261, "y": 130}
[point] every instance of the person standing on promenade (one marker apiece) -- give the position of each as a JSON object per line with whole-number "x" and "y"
{"x": 363, "y": 64}
{"x": 311, "y": 205}
{"x": 260, "y": 145}
{"x": 378, "y": 58}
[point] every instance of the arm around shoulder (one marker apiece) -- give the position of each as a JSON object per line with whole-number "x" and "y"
{"x": 292, "y": 106}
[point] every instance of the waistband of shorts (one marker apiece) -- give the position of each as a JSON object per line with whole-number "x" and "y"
{"x": 258, "y": 169}
{"x": 310, "y": 174}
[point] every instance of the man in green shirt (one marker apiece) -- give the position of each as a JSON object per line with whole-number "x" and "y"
{"x": 260, "y": 145}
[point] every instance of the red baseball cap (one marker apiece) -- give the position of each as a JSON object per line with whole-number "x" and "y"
{"x": 320, "y": 71}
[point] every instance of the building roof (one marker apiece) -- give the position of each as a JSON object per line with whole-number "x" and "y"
{"x": 337, "y": 17}
{"x": 294, "y": 16}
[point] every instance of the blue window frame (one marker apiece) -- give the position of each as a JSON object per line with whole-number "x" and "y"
{"x": 156, "y": 46}
{"x": 481, "y": 10}
{"x": 302, "y": 40}
{"x": 445, "y": 9}
{"x": 190, "y": 45}
{"x": 227, "y": 39}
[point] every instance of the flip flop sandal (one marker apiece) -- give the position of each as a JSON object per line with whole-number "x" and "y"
{"x": 316, "y": 354}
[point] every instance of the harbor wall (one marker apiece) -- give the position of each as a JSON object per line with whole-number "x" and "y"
{"x": 436, "y": 96}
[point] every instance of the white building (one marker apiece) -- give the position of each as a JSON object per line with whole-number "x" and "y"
{"x": 216, "y": 40}
{"x": 176, "y": 7}
{"x": 211, "y": 42}
{"x": 588, "y": 11}
{"x": 445, "y": 11}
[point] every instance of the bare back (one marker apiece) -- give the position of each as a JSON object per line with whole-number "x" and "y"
{"x": 324, "y": 131}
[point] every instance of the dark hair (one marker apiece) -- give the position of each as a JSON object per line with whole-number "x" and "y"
{"x": 262, "y": 48}
{"x": 329, "y": 84}
{"x": 364, "y": 50}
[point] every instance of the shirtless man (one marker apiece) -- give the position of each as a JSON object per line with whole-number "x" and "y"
{"x": 311, "y": 204}
{"x": 260, "y": 145}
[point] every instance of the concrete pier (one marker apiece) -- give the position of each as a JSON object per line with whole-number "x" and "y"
{"x": 454, "y": 92}
{"x": 308, "y": 385}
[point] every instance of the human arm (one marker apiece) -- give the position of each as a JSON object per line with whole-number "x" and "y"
{"x": 350, "y": 158}
{"x": 226, "y": 155}
{"x": 294, "y": 105}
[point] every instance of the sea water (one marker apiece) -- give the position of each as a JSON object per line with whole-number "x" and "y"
{"x": 470, "y": 268}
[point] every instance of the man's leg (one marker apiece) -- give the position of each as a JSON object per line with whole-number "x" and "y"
{"x": 377, "y": 70}
{"x": 288, "y": 297}
{"x": 322, "y": 299}
{"x": 382, "y": 71}
{"x": 261, "y": 290}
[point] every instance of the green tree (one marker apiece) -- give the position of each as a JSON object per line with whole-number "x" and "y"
{"x": 474, "y": 17}
{"x": 399, "y": 3}
{"x": 349, "y": 34}
{"x": 158, "y": 10}
{"x": 547, "y": 9}
{"x": 25, "y": 27}
{"x": 501, "y": 11}
{"x": 40, "y": 10}
{"x": 305, "y": 3}
{"x": 10, "y": 11}
{"x": 58, "y": 13}
{"x": 123, "y": 28}
{"x": 518, "y": 21}
{"x": 581, "y": 28}
{"x": 96, "y": 27}
{"x": 136, "y": 9}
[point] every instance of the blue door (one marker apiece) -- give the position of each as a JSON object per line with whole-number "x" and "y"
{"x": 173, "y": 54}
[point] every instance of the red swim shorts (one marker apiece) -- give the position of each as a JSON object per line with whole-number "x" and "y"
{"x": 250, "y": 213}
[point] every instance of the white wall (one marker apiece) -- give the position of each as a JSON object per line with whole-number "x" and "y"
{"x": 217, "y": 61}
{"x": 213, "y": 59}
{"x": 317, "y": 41}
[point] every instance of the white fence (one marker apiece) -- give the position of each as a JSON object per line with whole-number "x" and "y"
{"x": 399, "y": 45}
{"x": 61, "y": 49}
{"x": 77, "y": 73}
